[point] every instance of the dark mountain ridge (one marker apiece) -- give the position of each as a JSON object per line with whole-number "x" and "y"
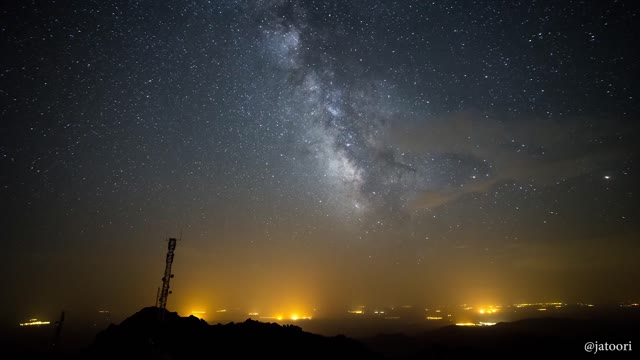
{"x": 144, "y": 335}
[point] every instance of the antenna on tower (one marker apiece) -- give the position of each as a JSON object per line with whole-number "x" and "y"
{"x": 164, "y": 293}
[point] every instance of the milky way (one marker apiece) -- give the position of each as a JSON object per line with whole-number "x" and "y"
{"x": 341, "y": 122}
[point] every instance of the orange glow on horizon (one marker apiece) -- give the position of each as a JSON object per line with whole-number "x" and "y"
{"x": 198, "y": 313}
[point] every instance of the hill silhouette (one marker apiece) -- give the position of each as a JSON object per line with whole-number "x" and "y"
{"x": 144, "y": 336}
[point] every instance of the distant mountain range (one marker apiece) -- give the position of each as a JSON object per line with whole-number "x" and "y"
{"x": 144, "y": 336}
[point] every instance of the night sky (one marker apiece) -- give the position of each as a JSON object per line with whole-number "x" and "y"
{"x": 318, "y": 154}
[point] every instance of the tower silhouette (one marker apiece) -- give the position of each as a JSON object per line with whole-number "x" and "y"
{"x": 164, "y": 293}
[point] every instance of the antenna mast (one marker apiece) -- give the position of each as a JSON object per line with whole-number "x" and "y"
{"x": 164, "y": 293}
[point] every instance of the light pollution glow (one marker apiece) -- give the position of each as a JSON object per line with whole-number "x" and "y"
{"x": 432, "y": 314}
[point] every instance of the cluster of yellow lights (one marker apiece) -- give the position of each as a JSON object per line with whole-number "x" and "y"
{"x": 630, "y": 305}
{"x": 359, "y": 312}
{"x": 253, "y": 314}
{"x": 588, "y": 305}
{"x": 293, "y": 317}
{"x": 555, "y": 304}
{"x": 434, "y": 317}
{"x": 377, "y": 312}
{"x": 221, "y": 311}
{"x": 476, "y": 324}
{"x": 490, "y": 309}
{"x": 35, "y": 322}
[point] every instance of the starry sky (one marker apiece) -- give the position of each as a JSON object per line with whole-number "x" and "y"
{"x": 318, "y": 154}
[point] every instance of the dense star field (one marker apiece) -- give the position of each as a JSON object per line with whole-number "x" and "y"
{"x": 318, "y": 154}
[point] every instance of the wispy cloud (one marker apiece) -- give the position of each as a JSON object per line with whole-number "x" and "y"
{"x": 541, "y": 152}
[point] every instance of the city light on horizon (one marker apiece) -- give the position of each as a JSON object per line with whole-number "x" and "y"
{"x": 35, "y": 322}
{"x": 446, "y": 313}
